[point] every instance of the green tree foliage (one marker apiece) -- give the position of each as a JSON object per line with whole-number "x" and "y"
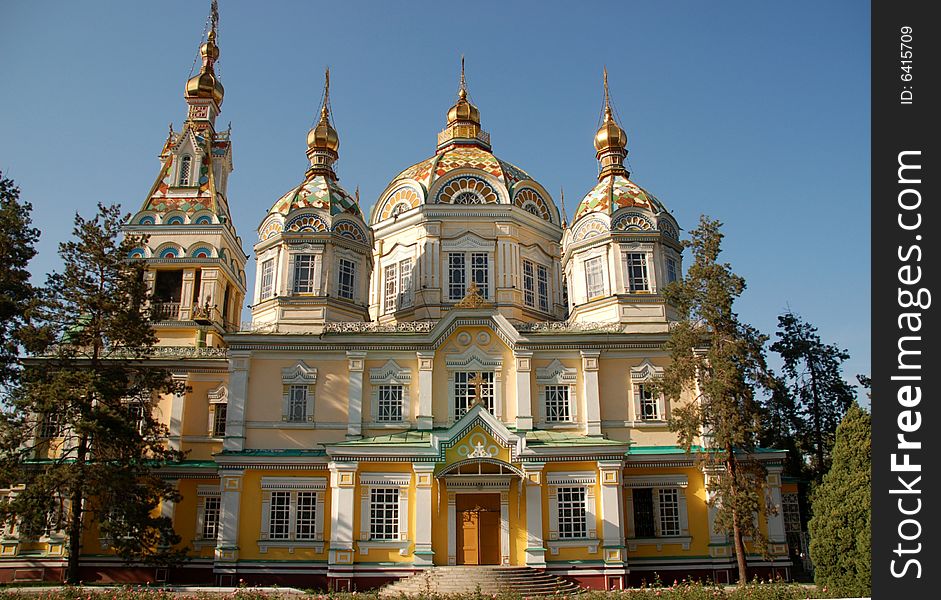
{"x": 819, "y": 394}
{"x": 840, "y": 530}
{"x": 81, "y": 436}
{"x": 17, "y": 296}
{"x": 721, "y": 361}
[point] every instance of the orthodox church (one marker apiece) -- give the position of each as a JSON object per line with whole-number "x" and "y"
{"x": 459, "y": 377}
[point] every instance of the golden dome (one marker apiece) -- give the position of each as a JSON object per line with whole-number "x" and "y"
{"x": 205, "y": 84}
{"x": 323, "y": 135}
{"x": 610, "y": 135}
{"x": 463, "y": 110}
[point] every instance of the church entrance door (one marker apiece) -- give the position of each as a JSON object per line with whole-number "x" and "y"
{"x": 478, "y": 529}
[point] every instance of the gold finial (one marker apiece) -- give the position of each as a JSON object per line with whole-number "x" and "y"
{"x": 325, "y": 110}
{"x": 323, "y": 135}
{"x": 607, "y": 97}
{"x": 610, "y": 140}
{"x": 565, "y": 216}
{"x": 205, "y": 84}
{"x": 462, "y": 90}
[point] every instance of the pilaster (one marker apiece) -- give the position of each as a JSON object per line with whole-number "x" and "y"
{"x": 355, "y": 364}
{"x": 227, "y": 549}
{"x": 342, "y": 503}
{"x": 177, "y": 404}
{"x": 612, "y": 538}
{"x": 777, "y": 538}
{"x": 590, "y": 366}
{"x": 524, "y": 399}
{"x": 426, "y": 362}
{"x": 238, "y": 395}
{"x": 424, "y": 480}
{"x": 535, "y": 544}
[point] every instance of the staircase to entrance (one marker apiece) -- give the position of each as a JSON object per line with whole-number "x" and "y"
{"x": 524, "y": 581}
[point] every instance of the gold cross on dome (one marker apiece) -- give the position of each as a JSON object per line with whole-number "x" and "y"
{"x": 478, "y": 382}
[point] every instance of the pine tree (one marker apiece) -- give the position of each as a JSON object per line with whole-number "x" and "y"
{"x": 17, "y": 295}
{"x": 819, "y": 392}
{"x": 81, "y": 436}
{"x": 722, "y": 360}
{"x": 840, "y": 530}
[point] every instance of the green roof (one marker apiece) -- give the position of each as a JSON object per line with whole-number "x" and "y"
{"x": 540, "y": 437}
{"x": 269, "y": 452}
{"x": 403, "y": 438}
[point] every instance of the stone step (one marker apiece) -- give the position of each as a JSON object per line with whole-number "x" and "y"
{"x": 487, "y": 578}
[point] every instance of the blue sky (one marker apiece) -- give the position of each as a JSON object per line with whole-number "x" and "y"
{"x": 755, "y": 113}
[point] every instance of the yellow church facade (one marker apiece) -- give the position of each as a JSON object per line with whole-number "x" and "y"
{"x": 461, "y": 376}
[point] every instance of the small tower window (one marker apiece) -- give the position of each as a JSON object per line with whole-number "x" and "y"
{"x": 347, "y": 276}
{"x": 186, "y": 168}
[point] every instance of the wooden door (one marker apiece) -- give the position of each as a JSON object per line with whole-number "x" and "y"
{"x": 478, "y": 529}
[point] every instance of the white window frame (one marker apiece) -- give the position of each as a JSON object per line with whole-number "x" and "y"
{"x": 543, "y": 291}
{"x": 639, "y": 282}
{"x": 266, "y": 289}
{"x": 342, "y": 262}
{"x": 671, "y": 268}
{"x": 586, "y": 480}
{"x": 556, "y": 374}
{"x": 299, "y": 375}
{"x": 653, "y": 274}
{"x": 294, "y": 487}
{"x": 397, "y": 285}
{"x": 311, "y": 269}
{"x": 190, "y": 164}
{"x": 475, "y": 360}
{"x": 529, "y": 283}
{"x": 645, "y": 373}
{"x": 218, "y": 397}
{"x": 390, "y": 374}
{"x": 467, "y": 244}
{"x": 203, "y": 494}
{"x": 601, "y": 290}
{"x": 655, "y": 483}
{"x": 370, "y": 481}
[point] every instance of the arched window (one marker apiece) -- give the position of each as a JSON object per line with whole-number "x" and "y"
{"x": 186, "y": 164}
{"x": 467, "y": 197}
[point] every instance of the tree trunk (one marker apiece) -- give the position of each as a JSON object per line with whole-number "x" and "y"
{"x": 75, "y": 519}
{"x": 738, "y": 542}
{"x": 818, "y": 426}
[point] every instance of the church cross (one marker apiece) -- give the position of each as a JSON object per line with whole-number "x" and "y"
{"x": 478, "y": 382}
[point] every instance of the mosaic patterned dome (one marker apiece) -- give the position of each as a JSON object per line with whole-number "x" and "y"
{"x": 317, "y": 191}
{"x": 614, "y": 193}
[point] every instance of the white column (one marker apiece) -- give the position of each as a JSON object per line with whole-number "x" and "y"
{"x": 231, "y": 497}
{"x": 452, "y": 528}
{"x": 535, "y": 548}
{"x": 175, "y": 434}
{"x": 776, "y": 534}
{"x": 424, "y": 479}
{"x": 342, "y": 505}
{"x": 355, "y": 362}
{"x": 718, "y": 541}
{"x": 426, "y": 362}
{"x": 612, "y": 537}
{"x": 590, "y": 360}
{"x": 524, "y": 392}
{"x": 238, "y": 398}
{"x": 505, "y": 527}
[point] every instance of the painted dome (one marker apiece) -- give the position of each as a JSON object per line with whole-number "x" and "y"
{"x": 614, "y": 193}
{"x": 317, "y": 191}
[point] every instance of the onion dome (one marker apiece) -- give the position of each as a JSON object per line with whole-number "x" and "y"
{"x": 323, "y": 135}
{"x": 463, "y": 125}
{"x": 205, "y": 84}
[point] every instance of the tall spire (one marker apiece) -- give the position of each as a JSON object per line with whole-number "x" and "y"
{"x": 463, "y": 121}
{"x": 610, "y": 140}
{"x": 323, "y": 143}
{"x": 565, "y": 215}
{"x": 205, "y": 85}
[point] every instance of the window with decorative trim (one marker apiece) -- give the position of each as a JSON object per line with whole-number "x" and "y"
{"x": 49, "y": 426}
{"x": 656, "y": 508}
{"x": 465, "y": 391}
{"x": 572, "y": 511}
{"x": 462, "y": 369}
{"x": 594, "y": 277}
{"x": 542, "y": 287}
{"x": 208, "y": 513}
{"x": 536, "y": 285}
{"x": 397, "y": 281}
{"x": 186, "y": 171}
{"x": 298, "y": 393}
{"x": 384, "y": 510}
{"x": 266, "y": 289}
{"x": 292, "y": 512}
{"x": 218, "y": 405}
{"x": 672, "y": 270}
{"x": 390, "y": 398}
{"x": 635, "y": 270}
{"x": 346, "y": 279}
{"x": 556, "y": 385}
{"x": 647, "y": 406}
{"x": 304, "y": 273}
{"x": 529, "y": 283}
{"x": 466, "y": 267}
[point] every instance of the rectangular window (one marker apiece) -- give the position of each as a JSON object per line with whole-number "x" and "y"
{"x": 557, "y": 404}
{"x": 305, "y": 516}
{"x": 594, "y": 277}
{"x": 480, "y": 272}
{"x": 384, "y": 513}
{"x": 457, "y": 284}
{"x": 529, "y": 284}
{"x": 297, "y": 409}
{"x": 390, "y": 404}
{"x": 643, "y": 512}
{"x": 405, "y": 283}
{"x": 671, "y": 270}
{"x": 637, "y": 272}
{"x": 465, "y": 391}
{"x": 347, "y": 279}
{"x": 542, "y": 287}
{"x": 669, "y": 507}
{"x": 391, "y": 287}
{"x": 218, "y": 420}
{"x": 267, "y": 279}
{"x": 135, "y": 414}
{"x": 303, "y": 273}
{"x": 648, "y": 404}
{"x": 279, "y": 516}
{"x": 211, "y": 509}
{"x": 573, "y": 522}
{"x": 49, "y": 427}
